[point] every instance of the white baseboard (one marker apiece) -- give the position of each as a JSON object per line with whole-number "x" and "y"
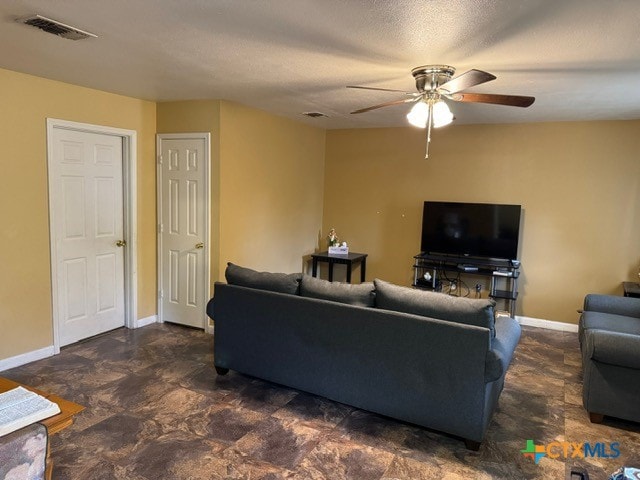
{"x": 143, "y": 322}
{"x": 24, "y": 358}
{"x": 548, "y": 324}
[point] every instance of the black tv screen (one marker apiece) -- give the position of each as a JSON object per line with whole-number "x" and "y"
{"x": 471, "y": 229}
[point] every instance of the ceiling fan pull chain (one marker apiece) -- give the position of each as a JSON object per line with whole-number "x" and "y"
{"x": 429, "y": 125}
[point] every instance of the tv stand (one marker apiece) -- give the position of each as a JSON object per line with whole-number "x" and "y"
{"x": 501, "y": 272}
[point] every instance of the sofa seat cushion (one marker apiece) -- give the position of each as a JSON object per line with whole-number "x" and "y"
{"x": 358, "y": 294}
{"x": 610, "y": 322}
{"x": 273, "y": 282}
{"x": 478, "y": 312}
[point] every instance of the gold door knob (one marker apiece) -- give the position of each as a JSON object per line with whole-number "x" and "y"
{"x": 200, "y": 245}
{"x": 121, "y": 243}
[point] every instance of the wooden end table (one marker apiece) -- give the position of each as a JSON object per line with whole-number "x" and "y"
{"x": 54, "y": 424}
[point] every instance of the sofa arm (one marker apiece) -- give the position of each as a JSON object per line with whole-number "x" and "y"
{"x": 629, "y": 307}
{"x": 613, "y": 348}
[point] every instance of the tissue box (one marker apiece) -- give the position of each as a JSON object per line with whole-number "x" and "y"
{"x": 338, "y": 250}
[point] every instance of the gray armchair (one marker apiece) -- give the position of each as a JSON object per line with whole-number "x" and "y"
{"x": 609, "y": 333}
{"x": 23, "y": 453}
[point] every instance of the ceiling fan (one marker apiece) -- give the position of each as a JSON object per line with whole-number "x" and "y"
{"x": 436, "y": 83}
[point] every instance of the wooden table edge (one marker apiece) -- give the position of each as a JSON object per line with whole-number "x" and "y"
{"x": 56, "y": 422}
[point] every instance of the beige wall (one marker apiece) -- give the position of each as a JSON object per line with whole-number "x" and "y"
{"x": 268, "y": 215}
{"x": 267, "y": 182}
{"x": 25, "y": 283}
{"x": 578, "y": 183}
{"x": 272, "y": 172}
{"x": 272, "y": 179}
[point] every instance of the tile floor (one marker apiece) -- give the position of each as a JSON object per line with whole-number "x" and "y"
{"x": 157, "y": 410}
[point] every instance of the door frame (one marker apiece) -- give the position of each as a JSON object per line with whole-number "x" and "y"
{"x": 129, "y": 191}
{"x": 206, "y": 136}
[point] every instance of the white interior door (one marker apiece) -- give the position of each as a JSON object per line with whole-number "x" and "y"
{"x": 183, "y": 197}
{"x": 87, "y": 225}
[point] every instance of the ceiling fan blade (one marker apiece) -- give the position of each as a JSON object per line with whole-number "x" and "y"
{"x": 510, "y": 100}
{"x": 387, "y": 104}
{"x": 466, "y": 80}
{"x": 382, "y": 89}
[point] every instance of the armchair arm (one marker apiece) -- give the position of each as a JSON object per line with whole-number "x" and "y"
{"x": 502, "y": 347}
{"x": 626, "y": 306}
{"x": 613, "y": 348}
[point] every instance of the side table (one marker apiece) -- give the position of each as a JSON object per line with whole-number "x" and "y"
{"x": 349, "y": 260}
{"x": 631, "y": 289}
{"x": 54, "y": 424}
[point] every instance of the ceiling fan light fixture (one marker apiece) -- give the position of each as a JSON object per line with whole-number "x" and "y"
{"x": 418, "y": 115}
{"x": 441, "y": 114}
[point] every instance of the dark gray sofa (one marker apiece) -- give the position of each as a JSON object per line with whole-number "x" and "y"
{"x": 609, "y": 333}
{"x": 444, "y": 375}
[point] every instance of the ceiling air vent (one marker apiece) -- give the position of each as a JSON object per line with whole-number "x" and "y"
{"x": 314, "y": 114}
{"x": 56, "y": 28}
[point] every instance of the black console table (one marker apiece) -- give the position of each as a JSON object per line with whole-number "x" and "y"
{"x": 631, "y": 289}
{"x": 348, "y": 259}
{"x": 499, "y": 271}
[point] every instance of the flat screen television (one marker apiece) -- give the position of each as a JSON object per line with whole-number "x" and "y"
{"x": 471, "y": 229}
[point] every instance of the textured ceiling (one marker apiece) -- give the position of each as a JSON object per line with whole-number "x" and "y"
{"x": 579, "y": 58}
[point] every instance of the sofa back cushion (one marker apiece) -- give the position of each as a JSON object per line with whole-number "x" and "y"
{"x": 470, "y": 311}
{"x": 274, "y": 282}
{"x": 359, "y": 294}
